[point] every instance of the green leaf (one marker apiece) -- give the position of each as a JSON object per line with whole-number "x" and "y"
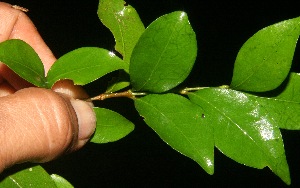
{"x": 125, "y": 24}
{"x": 181, "y": 124}
{"x": 84, "y": 65}
{"x": 118, "y": 83}
{"x": 111, "y": 126}
{"x": 164, "y": 54}
{"x": 117, "y": 86}
{"x": 30, "y": 177}
{"x": 23, "y": 60}
{"x": 285, "y": 107}
{"x": 264, "y": 61}
{"x": 243, "y": 129}
{"x": 60, "y": 182}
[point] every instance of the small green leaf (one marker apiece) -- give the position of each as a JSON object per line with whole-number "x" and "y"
{"x": 243, "y": 129}
{"x": 164, "y": 54}
{"x": 118, "y": 83}
{"x": 264, "y": 61}
{"x": 84, "y": 65}
{"x": 125, "y": 24}
{"x": 60, "y": 182}
{"x": 285, "y": 107}
{"x": 181, "y": 124}
{"x": 23, "y": 60}
{"x": 111, "y": 126}
{"x": 117, "y": 86}
{"x": 30, "y": 177}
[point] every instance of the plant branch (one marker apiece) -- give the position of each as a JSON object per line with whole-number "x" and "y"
{"x": 132, "y": 95}
{"x": 128, "y": 94}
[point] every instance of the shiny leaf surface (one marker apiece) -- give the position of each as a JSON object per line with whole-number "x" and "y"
{"x": 125, "y": 24}
{"x": 180, "y": 124}
{"x": 164, "y": 54}
{"x": 35, "y": 177}
{"x": 285, "y": 107}
{"x": 243, "y": 129}
{"x": 84, "y": 65}
{"x": 264, "y": 61}
{"x": 111, "y": 126}
{"x": 23, "y": 60}
{"x": 61, "y": 182}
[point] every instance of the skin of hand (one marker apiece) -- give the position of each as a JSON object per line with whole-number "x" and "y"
{"x": 36, "y": 124}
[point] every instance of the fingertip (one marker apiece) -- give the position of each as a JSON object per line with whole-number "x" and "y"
{"x": 86, "y": 121}
{"x": 15, "y": 24}
{"x": 67, "y": 87}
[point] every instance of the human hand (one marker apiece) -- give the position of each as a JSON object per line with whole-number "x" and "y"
{"x": 37, "y": 124}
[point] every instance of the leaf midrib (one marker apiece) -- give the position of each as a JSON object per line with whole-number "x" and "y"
{"x": 270, "y": 157}
{"x": 179, "y": 130}
{"x": 160, "y": 57}
{"x": 25, "y": 65}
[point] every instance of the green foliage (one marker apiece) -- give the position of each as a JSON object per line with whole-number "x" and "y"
{"x": 60, "y": 182}
{"x": 181, "y": 125}
{"x": 118, "y": 83}
{"x": 91, "y": 62}
{"x": 164, "y": 54}
{"x": 285, "y": 106}
{"x": 125, "y": 24}
{"x": 111, "y": 126}
{"x": 244, "y": 129}
{"x": 264, "y": 61}
{"x": 244, "y": 126}
{"x": 34, "y": 176}
{"x": 22, "y": 59}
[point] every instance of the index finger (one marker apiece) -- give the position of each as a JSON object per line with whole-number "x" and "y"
{"x": 15, "y": 24}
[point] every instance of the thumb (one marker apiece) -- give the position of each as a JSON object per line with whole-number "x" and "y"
{"x": 38, "y": 125}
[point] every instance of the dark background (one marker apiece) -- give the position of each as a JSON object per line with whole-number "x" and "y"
{"x": 142, "y": 159}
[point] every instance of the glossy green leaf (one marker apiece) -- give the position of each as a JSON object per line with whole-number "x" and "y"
{"x": 285, "y": 107}
{"x": 181, "y": 124}
{"x": 35, "y": 177}
{"x": 264, "y": 61}
{"x": 84, "y": 65}
{"x": 23, "y": 60}
{"x": 61, "y": 182}
{"x": 125, "y": 24}
{"x": 243, "y": 129}
{"x": 111, "y": 126}
{"x": 164, "y": 54}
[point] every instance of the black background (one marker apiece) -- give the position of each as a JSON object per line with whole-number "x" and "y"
{"x": 142, "y": 159}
